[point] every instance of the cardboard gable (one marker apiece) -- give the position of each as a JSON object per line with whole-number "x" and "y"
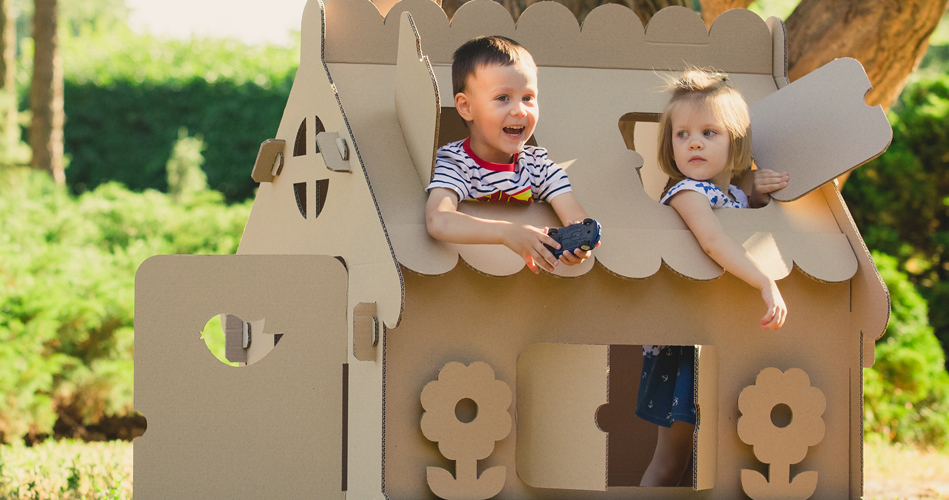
{"x": 483, "y": 380}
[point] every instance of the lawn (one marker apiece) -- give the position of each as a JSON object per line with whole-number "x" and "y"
{"x": 73, "y": 470}
{"x": 66, "y": 470}
{"x": 892, "y": 471}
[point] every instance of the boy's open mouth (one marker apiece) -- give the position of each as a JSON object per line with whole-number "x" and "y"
{"x": 514, "y": 130}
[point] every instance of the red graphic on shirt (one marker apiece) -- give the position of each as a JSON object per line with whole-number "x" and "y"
{"x": 524, "y": 196}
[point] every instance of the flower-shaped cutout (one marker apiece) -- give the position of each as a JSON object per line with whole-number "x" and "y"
{"x": 774, "y": 444}
{"x": 475, "y": 439}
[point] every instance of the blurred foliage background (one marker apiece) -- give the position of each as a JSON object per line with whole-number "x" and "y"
{"x": 160, "y": 138}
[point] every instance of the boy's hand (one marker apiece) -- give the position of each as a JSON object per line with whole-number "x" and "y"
{"x": 577, "y": 256}
{"x": 766, "y": 182}
{"x": 777, "y": 310}
{"x": 528, "y": 242}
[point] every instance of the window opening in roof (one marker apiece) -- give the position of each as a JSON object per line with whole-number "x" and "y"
{"x": 319, "y": 128}
{"x": 299, "y": 145}
{"x": 299, "y": 190}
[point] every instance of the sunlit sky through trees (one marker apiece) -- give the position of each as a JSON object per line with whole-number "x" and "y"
{"x": 260, "y": 21}
{"x": 253, "y": 21}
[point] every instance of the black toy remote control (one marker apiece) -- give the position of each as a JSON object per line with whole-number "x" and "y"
{"x": 584, "y": 236}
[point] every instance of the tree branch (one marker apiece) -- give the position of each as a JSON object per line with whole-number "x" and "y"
{"x": 888, "y": 37}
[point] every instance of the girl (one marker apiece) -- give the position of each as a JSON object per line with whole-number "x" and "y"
{"x": 704, "y": 142}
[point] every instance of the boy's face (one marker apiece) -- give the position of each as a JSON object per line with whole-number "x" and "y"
{"x": 500, "y": 105}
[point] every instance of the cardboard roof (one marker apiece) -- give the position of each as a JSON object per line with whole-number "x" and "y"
{"x": 376, "y": 83}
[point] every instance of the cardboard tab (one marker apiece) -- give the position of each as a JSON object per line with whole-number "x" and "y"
{"x": 234, "y": 349}
{"x": 829, "y": 104}
{"x": 269, "y": 160}
{"x": 335, "y": 153}
{"x": 416, "y": 100}
{"x": 779, "y": 34}
{"x": 365, "y": 331}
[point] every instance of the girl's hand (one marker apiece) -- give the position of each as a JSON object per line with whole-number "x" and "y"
{"x": 766, "y": 182}
{"x": 777, "y": 310}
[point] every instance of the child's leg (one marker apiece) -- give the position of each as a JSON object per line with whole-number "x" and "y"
{"x": 672, "y": 455}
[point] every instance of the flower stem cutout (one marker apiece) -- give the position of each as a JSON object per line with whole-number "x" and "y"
{"x": 778, "y": 440}
{"x": 461, "y": 436}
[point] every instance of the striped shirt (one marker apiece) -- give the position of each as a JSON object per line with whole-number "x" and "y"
{"x": 530, "y": 177}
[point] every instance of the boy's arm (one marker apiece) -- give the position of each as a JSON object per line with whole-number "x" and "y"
{"x": 694, "y": 209}
{"x": 446, "y": 223}
{"x": 766, "y": 182}
{"x": 569, "y": 211}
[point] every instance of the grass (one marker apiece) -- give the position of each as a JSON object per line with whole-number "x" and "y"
{"x": 66, "y": 470}
{"x": 894, "y": 471}
{"x": 73, "y": 470}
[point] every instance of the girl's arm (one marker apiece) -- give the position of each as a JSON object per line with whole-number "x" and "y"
{"x": 695, "y": 210}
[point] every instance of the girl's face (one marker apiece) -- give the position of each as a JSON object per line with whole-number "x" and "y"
{"x": 700, "y": 144}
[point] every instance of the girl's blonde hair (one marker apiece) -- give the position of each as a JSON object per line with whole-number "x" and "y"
{"x": 707, "y": 88}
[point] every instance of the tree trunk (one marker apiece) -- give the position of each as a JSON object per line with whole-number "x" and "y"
{"x": 9, "y": 128}
{"x": 7, "y": 45}
{"x": 889, "y": 37}
{"x": 711, "y": 9}
{"x": 46, "y": 92}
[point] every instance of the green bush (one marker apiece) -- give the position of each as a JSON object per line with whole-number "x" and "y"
{"x": 127, "y": 95}
{"x": 67, "y": 267}
{"x": 66, "y": 470}
{"x": 900, "y": 201}
{"x": 906, "y": 391}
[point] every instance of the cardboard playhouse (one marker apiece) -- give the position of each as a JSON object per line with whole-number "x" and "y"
{"x": 377, "y": 362}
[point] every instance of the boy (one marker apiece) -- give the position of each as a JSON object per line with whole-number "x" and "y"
{"x": 495, "y": 85}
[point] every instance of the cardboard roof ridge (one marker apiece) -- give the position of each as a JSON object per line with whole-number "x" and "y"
{"x": 642, "y": 237}
{"x": 550, "y": 31}
{"x": 825, "y": 257}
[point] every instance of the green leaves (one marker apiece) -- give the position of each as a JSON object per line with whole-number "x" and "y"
{"x": 127, "y": 96}
{"x": 906, "y": 392}
{"x": 67, "y": 267}
{"x": 899, "y": 199}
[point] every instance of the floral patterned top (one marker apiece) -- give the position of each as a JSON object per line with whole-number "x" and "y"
{"x": 734, "y": 199}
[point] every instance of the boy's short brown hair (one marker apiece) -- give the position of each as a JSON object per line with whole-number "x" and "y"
{"x": 709, "y": 88}
{"x": 482, "y": 51}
